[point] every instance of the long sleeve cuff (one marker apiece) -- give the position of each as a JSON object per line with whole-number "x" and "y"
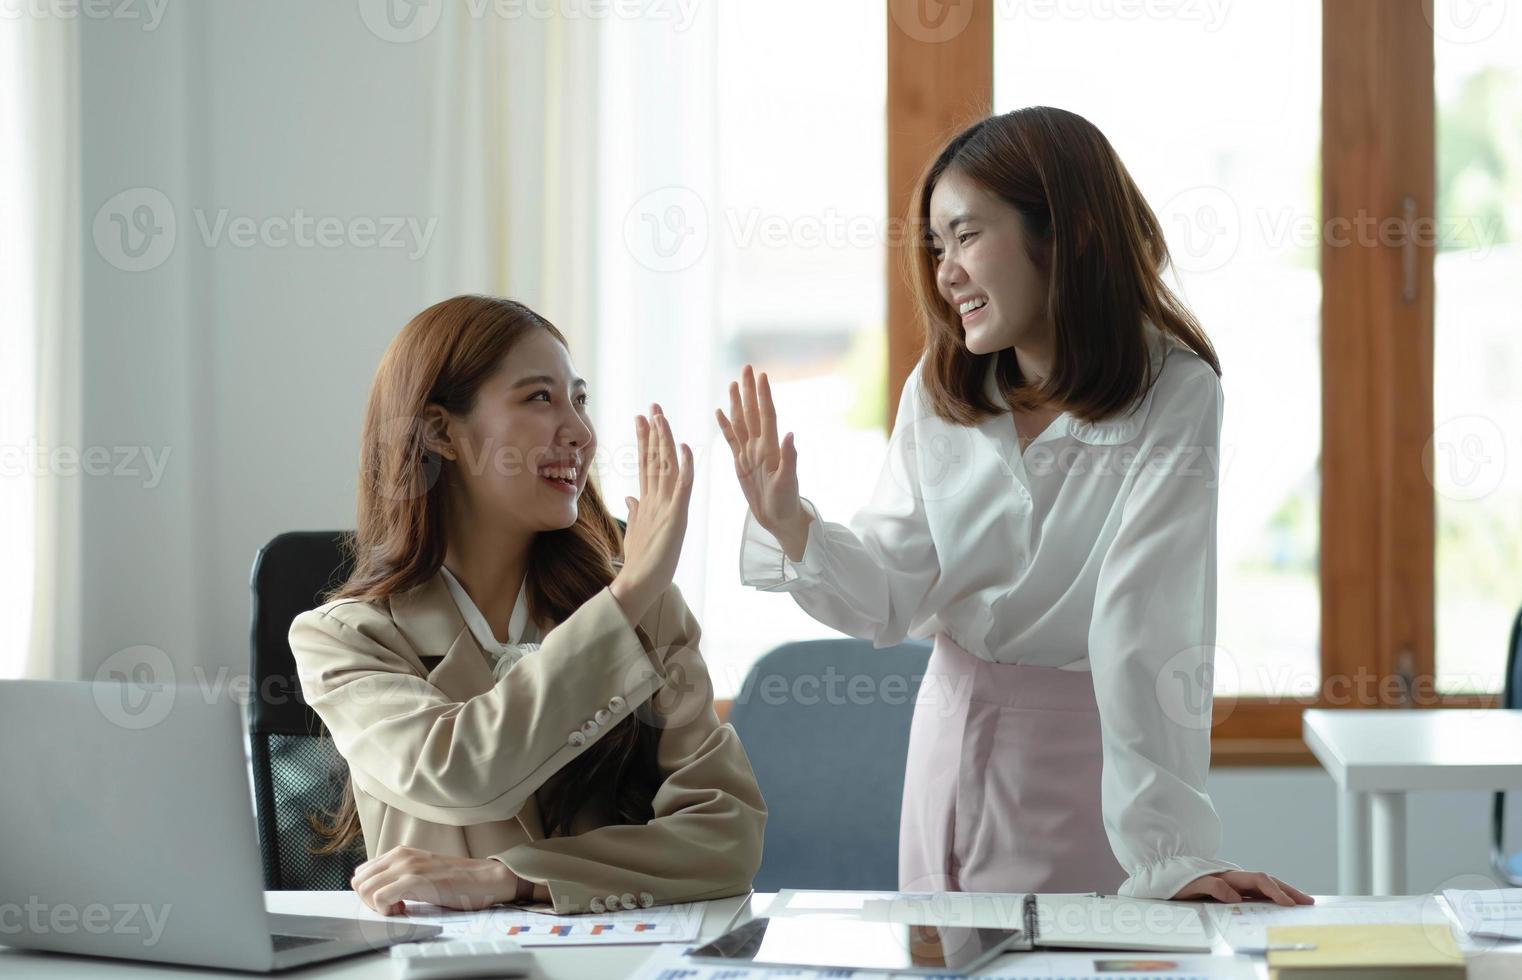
{"x": 765, "y": 566}
{"x": 1164, "y": 878}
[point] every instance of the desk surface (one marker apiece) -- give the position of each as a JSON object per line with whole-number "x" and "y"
{"x": 1401, "y": 750}
{"x": 573, "y": 963}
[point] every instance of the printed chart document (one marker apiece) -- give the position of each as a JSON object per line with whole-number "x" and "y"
{"x": 660, "y": 924}
{"x": 669, "y": 963}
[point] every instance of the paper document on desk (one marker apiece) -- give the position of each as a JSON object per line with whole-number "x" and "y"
{"x": 1490, "y": 913}
{"x": 670, "y": 963}
{"x": 1116, "y": 966}
{"x": 1079, "y": 921}
{"x": 660, "y": 924}
{"x": 808, "y": 901}
{"x": 970, "y": 910}
{"x": 1244, "y": 927}
{"x": 1111, "y": 922}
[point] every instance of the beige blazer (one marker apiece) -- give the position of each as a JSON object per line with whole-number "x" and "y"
{"x": 448, "y": 760}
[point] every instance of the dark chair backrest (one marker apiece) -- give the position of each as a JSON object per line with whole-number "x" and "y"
{"x": 296, "y": 770}
{"x": 1509, "y": 866}
{"x": 1511, "y": 688}
{"x": 826, "y": 726}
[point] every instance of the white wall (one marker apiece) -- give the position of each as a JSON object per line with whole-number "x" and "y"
{"x": 250, "y": 366}
{"x": 1284, "y": 821}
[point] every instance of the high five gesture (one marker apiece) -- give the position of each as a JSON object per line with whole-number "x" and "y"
{"x": 767, "y": 470}
{"x": 658, "y": 519}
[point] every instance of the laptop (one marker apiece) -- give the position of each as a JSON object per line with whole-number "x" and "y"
{"x": 127, "y": 830}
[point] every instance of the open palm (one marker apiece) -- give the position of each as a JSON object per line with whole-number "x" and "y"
{"x": 766, "y": 468}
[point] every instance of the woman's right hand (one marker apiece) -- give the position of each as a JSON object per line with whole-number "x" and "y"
{"x": 657, "y": 520}
{"x": 767, "y": 470}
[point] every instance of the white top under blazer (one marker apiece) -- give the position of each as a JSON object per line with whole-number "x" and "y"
{"x": 1094, "y": 550}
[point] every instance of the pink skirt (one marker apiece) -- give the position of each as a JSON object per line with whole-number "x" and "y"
{"x": 1001, "y": 787}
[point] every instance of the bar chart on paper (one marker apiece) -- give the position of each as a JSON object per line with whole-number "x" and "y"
{"x": 662, "y": 924}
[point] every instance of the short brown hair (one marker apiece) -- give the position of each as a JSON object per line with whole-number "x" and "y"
{"x": 1090, "y": 230}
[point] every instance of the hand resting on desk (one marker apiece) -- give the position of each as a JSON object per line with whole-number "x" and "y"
{"x": 1243, "y": 886}
{"x": 421, "y": 876}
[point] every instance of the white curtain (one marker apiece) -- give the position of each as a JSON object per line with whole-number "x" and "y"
{"x": 557, "y": 142}
{"x": 40, "y": 347}
{"x": 514, "y": 153}
{"x": 657, "y": 297}
{"x": 551, "y": 137}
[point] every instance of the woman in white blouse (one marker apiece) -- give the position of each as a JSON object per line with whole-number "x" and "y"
{"x": 1047, "y": 513}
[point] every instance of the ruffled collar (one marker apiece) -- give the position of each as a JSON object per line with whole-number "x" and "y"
{"x": 523, "y": 636}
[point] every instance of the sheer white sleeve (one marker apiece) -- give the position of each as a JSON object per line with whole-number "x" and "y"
{"x": 1152, "y": 649}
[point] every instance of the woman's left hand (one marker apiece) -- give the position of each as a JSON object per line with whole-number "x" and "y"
{"x": 422, "y": 876}
{"x": 1243, "y": 886}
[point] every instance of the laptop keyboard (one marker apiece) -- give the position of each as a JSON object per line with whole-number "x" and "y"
{"x": 284, "y": 942}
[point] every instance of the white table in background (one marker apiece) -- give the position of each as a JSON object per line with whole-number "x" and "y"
{"x": 1377, "y": 756}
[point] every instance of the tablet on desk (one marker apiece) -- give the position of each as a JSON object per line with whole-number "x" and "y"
{"x": 833, "y": 943}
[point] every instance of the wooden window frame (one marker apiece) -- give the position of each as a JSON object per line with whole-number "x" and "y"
{"x": 1378, "y": 164}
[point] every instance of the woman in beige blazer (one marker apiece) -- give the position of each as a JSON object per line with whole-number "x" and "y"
{"x": 580, "y": 761}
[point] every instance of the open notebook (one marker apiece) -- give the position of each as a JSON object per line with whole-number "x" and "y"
{"x": 1081, "y": 921}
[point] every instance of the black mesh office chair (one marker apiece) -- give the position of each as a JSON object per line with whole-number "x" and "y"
{"x": 296, "y": 769}
{"x": 1508, "y": 866}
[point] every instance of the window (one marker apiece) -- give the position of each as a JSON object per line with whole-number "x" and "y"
{"x": 1477, "y": 393}
{"x": 1296, "y": 168}
{"x": 751, "y": 195}
{"x": 1231, "y": 168}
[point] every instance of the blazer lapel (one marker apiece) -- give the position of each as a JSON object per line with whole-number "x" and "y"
{"x": 428, "y": 617}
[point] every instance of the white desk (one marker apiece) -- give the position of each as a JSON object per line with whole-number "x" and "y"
{"x": 580, "y": 963}
{"x": 1377, "y": 756}
{"x": 568, "y": 963}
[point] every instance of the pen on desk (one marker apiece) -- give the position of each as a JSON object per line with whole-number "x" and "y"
{"x": 1288, "y": 947}
{"x": 738, "y": 909}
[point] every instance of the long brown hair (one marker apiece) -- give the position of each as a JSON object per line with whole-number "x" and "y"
{"x": 443, "y": 356}
{"x": 1090, "y": 230}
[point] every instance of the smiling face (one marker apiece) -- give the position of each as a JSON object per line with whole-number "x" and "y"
{"x": 522, "y": 454}
{"x": 984, "y": 269}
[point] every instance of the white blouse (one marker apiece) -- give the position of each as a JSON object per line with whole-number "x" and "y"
{"x": 1094, "y": 550}
{"x": 522, "y": 636}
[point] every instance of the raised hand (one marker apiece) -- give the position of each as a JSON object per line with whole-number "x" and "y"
{"x": 657, "y": 520}
{"x": 767, "y": 470}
